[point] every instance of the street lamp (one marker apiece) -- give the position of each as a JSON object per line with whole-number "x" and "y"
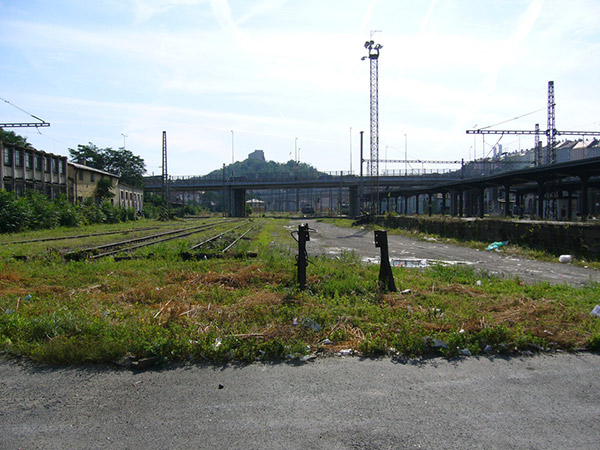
{"x": 350, "y": 151}
{"x": 232, "y": 154}
{"x": 124, "y": 137}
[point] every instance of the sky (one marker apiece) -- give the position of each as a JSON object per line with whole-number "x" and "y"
{"x": 226, "y": 77}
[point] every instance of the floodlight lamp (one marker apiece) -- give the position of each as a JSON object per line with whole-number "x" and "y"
{"x": 372, "y": 42}
{"x": 367, "y": 44}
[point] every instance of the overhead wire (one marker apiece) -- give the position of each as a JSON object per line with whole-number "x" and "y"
{"x": 22, "y": 110}
{"x": 514, "y": 118}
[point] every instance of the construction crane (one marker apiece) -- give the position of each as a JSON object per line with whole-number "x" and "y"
{"x": 551, "y": 131}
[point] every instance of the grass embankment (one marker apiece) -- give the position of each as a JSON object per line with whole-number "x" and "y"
{"x": 224, "y": 309}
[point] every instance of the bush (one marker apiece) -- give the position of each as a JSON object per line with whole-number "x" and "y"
{"x": 34, "y": 211}
{"x": 112, "y": 213}
{"x": 43, "y": 212}
{"x": 68, "y": 214}
{"x": 13, "y": 213}
{"x": 92, "y": 213}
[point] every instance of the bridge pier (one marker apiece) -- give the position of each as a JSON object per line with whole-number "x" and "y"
{"x": 507, "y": 212}
{"x": 237, "y": 202}
{"x": 354, "y": 201}
{"x": 481, "y": 202}
{"x": 430, "y": 203}
{"x": 584, "y": 197}
{"x": 443, "y": 203}
{"x": 540, "y": 199}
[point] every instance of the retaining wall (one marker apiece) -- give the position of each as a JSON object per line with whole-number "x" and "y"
{"x": 580, "y": 239}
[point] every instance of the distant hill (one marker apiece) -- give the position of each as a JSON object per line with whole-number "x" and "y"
{"x": 255, "y": 167}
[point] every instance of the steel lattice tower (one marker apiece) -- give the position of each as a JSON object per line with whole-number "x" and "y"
{"x": 538, "y": 146}
{"x": 374, "y": 104}
{"x": 551, "y": 130}
{"x": 165, "y": 178}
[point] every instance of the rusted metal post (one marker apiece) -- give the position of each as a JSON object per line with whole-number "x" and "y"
{"x": 303, "y": 237}
{"x": 386, "y": 277}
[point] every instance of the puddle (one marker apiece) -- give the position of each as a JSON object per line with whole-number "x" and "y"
{"x": 412, "y": 263}
{"x": 339, "y": 250}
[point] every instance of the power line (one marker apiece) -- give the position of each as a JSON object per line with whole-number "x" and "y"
{"x": 514, "y": 118}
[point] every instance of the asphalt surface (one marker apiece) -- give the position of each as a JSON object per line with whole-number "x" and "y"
{"x": 547, "y": 401}
{"x": 333, "y": 240}
{"x": 539, "y": 402}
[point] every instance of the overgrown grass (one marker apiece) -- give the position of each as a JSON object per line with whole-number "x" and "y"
{"x": 247, "y": 309}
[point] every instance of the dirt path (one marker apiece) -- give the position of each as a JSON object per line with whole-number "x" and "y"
{"x": 332, "y": 240}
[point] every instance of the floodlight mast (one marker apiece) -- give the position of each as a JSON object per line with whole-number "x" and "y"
{"x": 373, "y": 57}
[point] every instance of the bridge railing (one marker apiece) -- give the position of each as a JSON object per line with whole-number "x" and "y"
{"x": 215, "y": 179}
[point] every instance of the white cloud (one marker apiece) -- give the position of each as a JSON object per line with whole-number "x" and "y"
{"x": 274, "y": 70}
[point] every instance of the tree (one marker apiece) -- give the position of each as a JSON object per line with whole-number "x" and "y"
{"x": 89, "y": 154}
{"x": 122, "y": 162}
{"x": 10, "y": 137}
{"x": 104, "y": 190}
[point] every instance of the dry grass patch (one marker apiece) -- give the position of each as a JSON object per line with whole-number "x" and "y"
{"x": 236, "y": 277}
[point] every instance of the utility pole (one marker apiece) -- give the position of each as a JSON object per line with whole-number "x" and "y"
{"x": 232, "y": 154}
{"x": 296, "y": 167}
{"x": 538, "y": 147}
{"x": 551, "y": 130}
{"x": 350, "y": 151}
{"x": 165, "y": 179}
{"x": 361, "y": 189}
{"x": 373, "y": 57}
{"x": 405, "y": 155}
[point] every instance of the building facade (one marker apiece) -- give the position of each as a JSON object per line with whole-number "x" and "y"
{"x": 130, "y": 197}
{"x": 25, "y": 168}
{"x": 83, "y": 182}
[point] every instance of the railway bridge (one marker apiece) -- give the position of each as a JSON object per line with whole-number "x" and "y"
{"x": 570, "y": 187}
{"x": 348, "y": 187}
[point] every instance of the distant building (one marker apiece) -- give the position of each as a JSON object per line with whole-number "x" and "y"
{"x": 25, "y": 168}
{"x": 83, "y": 181}
{"x": 130, "y": 197}
{"x": 258, "y": 206}
{"x": 257, "y": 154}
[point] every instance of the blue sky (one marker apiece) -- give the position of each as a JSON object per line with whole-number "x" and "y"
{"x": 288, "y": 74}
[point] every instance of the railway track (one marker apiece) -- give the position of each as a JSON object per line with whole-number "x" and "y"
{"x": 129, "y": 245}
{"x": 220, "y": 243}
{"x": 78, "y": 236}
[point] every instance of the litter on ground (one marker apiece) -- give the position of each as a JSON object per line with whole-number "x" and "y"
{"x": 496, "y": 245}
